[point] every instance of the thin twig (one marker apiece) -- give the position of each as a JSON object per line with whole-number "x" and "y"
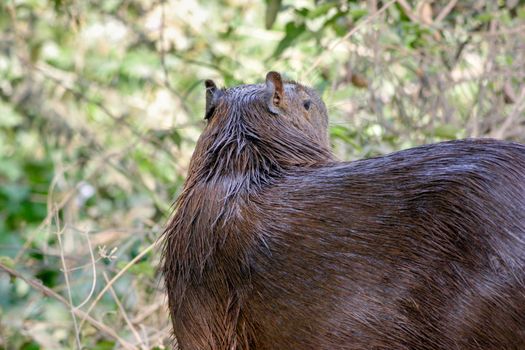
{"x": 123, "y": 312}
{"x": 360, "y": 25}
{"x": 474, "y": 120}
{"x": 147, "y": 311}
{"x": 66, "y": 278}
{"x": 51, "y": 293}
{"x": 118, "y": 275}
{"x": 51, "y": 208}
{"x": 161, "y": 39}
{"x": 94, "y": 272}
{"x": 408, "y": 11}
{"x": 519, "y": 108}
{"x": 446, "y": 10}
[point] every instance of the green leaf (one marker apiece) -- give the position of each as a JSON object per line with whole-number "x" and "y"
{"x": 358, "y": 13}
{"x": 342, "y": 133}
{"x": 111, "y": 5}
{"x": 176, "y": 137}
{"x": 139, "y": 64}
{"x": 485, "y": 16}
{"x": 104, "y": 345}
{"x": 446, "y": 131}
{"x": 321, "y": 10}
{"x": 339, "y": 23}
{"x": 521, "y": 12}
{"x": 64, "y": 60}
{"x": 272, "y": 9}
{"x": 292, "y": 32}
{"x": 30, "y": 346}
{"x": 7, "y": 261}
{"x": 144, "y": 268}
{"x": 8, "y": 116}
{"x": 10, "y": 168}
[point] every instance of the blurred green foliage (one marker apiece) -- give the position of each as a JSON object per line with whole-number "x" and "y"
{"x": 101, "y": 103}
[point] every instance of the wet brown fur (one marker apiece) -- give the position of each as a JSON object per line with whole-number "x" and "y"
{"x": 275, "y": 245}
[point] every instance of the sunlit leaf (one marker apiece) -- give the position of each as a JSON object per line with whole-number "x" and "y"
{"x": 292, "y": 33}
{"x": 272, "y": 9}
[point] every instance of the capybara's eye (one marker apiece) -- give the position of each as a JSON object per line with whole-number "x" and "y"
{"x": 307, "y": 104}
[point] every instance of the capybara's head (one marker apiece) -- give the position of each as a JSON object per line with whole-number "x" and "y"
{"x": 277, "y": 123}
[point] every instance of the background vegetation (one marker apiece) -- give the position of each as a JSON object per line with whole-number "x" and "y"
{"x": 101, "y": 102}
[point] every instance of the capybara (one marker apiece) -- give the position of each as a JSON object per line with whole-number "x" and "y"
{"x": 274, "y": 244}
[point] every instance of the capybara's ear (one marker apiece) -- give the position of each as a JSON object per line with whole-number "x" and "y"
{"x": 212, "y": 96}
{"x": 274, "y": 91}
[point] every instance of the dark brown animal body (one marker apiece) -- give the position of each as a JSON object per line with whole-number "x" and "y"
{"x": 274, "y": 245}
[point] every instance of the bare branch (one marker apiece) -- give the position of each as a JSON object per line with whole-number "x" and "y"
{"x": 37, "y": 285}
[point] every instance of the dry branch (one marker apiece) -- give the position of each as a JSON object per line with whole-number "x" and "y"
{"x": 37, "y": 285}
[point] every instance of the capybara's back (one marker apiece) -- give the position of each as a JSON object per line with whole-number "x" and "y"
{"x": 275, "y": 245}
